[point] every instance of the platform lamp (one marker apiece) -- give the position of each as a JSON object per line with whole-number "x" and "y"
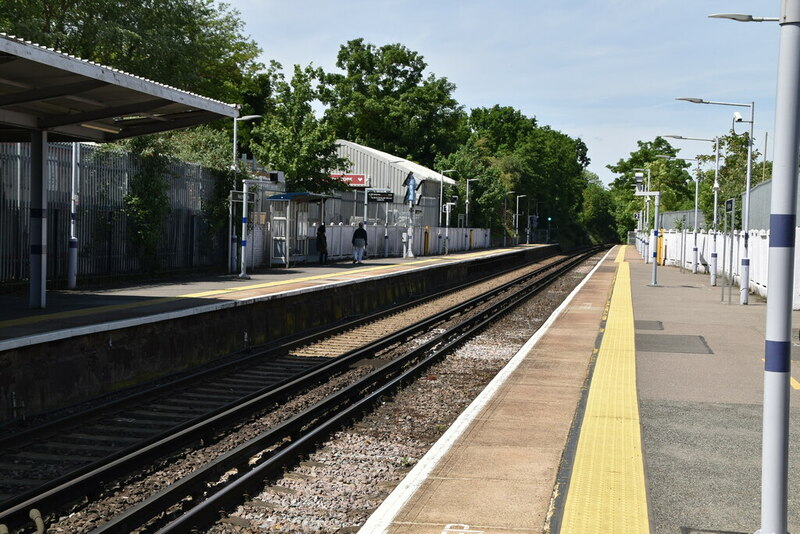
{"x": 640, "y": 192}
{"x": 235, "y": 137}
{"x": 646, "y": 187}
{"x": 695, "y": 253}
{"x": 441, "y": 192}
{"x": 516, "y": 220}
{"x": 467, "y": 201}
{"x": 505, "y": 211}
{"x": 716, "y": 199}
{"x": 778, "y": 338}
{"x": 744, "y": 289}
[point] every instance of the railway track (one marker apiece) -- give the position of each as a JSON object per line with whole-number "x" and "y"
{"x": 197, "y": 412}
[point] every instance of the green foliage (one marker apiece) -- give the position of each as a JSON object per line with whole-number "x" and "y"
{"x": 292, "y": 139}
{"x": 596, "y": 214}
{"x": 511, "y": 155}
{"x": 384, "y": 100}
{"x": 195, "y": 45}
{"x": 146, "y": 202}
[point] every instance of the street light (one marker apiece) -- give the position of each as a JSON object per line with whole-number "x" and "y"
{"x": 696, "y": 197}
{"x": 467, "y": 201}
{"x": 744, "y": 286}
{"x": 738, "y": 17}
{"x": 516, "y": 219}
{"x": 505, "y": 212}
{"x": 235, "y": 134}
{"x": 778, "y": 338}
{"x": 441, "y": 192}
{"x": 646, "y": 215}
{"x": 716, "y": 198}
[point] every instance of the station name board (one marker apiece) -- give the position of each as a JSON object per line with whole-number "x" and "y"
{"x": 353, "y": 180}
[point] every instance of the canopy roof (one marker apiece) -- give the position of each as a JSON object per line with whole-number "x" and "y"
{"x": 77, "y": 100}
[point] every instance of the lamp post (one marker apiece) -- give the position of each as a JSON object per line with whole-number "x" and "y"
{"x": 695, "y": 254}
{"x": 744, "y": 285}
{"x": 441, "y": 193}
{"x": 505, "y": 212}
{"x": 646, "y": 213}
{"x": 716, "y": 200}
{"x": 467, "y": 201}
{"x": 657, "y": 194}
{"x": 778, "y": 344}
{"x": 235, "y": 136}
{"x": 516, "y": 220}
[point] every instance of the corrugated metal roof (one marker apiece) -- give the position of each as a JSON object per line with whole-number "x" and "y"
{"x": 408, "y": 166}
{"x": 78, "y": 100}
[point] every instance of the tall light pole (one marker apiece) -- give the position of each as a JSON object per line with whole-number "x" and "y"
{"x": 505, "y": 212}
{"x": 778, "y": 344}
{"x": 695, "y": 254}
{"x": 441, "y": 192}
{"x": 716, "y": 200}
{"x": 467, "y": 201}
{"x": 235, "y": 137}
{"x": 646, "y": 213}
{"x": 744, "y": 285}
{"x": 516, "y": 220}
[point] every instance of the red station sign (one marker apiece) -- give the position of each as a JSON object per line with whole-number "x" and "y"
{"x": 353, "y": 180}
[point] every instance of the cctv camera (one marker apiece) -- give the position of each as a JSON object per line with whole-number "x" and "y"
{"x": 737, "y": 117}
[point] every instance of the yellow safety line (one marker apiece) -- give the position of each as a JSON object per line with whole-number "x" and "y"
{"x": 607, "y": 488}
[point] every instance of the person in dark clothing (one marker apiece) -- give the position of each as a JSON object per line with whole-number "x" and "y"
{"x": 322, "y": 245}
{"x": 359, "y": 243}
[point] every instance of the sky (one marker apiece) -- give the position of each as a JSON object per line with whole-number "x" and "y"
{"x": 606, "y": 71}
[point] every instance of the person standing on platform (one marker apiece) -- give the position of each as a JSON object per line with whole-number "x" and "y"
{"x": 359, "y": 243}
{"x": 322, "y": 245}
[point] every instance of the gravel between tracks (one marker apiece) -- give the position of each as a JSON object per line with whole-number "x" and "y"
{"x": 340, "y": 485}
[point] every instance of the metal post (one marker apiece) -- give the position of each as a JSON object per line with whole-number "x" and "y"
{"x": 777, "y": 347}
{"x": 730, "y": 260}
{"x": 655, "y": 239}
{"x": 72, "y": 253}
{"x": 744, "y": 279}
{"x": 38, "y": 220}
{"x": 243, "y": 273}
{"x": 695, "y": 259}
{"x": 716, "y": 194}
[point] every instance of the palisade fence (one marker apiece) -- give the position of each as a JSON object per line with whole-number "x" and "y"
{"x": 677, "y": 245}
{"x": 102, "y": 228}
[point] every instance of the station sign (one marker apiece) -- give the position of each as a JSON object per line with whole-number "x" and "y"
{"x": 380, "y": 195}
{"x": 236, "y": 196}
{"x": 353, "y": 180}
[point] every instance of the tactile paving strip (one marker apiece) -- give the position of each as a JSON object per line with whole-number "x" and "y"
{"x": 607, "y": 489}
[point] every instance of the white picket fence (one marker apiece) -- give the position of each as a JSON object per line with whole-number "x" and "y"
{"x": 677, "y": 246}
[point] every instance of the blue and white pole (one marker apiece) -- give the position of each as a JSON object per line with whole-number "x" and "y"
{"x": 777, "y": 349}
{"x": 245, "y": 193}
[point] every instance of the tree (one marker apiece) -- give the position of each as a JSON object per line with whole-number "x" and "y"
{"x": 384, "y": 100}
{"x": 292, "y": 139}
{"x": 596, "y": 214}
{"x": 195, "y": 45}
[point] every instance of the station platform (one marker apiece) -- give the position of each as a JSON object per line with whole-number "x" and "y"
{"x": 634, "y": 409}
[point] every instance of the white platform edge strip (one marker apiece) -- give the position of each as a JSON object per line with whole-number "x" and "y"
{"x": 381, "y": 519}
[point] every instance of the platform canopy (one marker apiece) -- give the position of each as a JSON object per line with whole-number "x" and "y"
{"x": 47, "y": 96}
{"x": 76, "y": 100}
